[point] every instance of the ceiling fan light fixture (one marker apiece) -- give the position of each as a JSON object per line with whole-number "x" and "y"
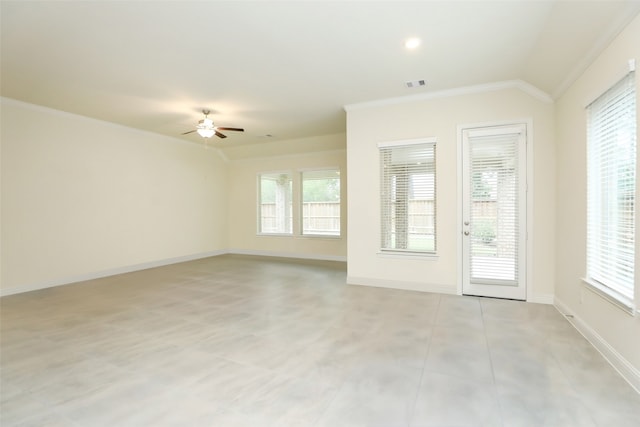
{"x": 206, "y": 132}
{"x": 205, "y": 127}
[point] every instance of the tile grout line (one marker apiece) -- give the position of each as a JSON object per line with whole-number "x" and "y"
{"x": 424, "y": 363}
{"x": 493, "y": 373}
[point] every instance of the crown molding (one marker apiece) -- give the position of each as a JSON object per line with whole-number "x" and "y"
{"x": 465, "y": 90}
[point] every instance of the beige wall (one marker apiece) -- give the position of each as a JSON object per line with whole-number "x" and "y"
{"x": 369, "y": 124}
{"x": 83, "y": 198}
{"x": 243, "y": 237}
{"x": 596, "y": 315}
{"x": 80, "y": 197}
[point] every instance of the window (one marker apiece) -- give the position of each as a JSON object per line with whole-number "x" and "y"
{"x": 321, "y": 202}
{"x": 408, "y": 189}
{"x": 611, "y": 183}
{"x": 275, "y": 206}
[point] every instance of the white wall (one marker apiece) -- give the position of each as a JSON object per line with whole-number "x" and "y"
{"x": 243, "y": 196}
{"x": 439, "y": 117}
{"x": 82, "y": 197}
{"x": 616, "y": 331}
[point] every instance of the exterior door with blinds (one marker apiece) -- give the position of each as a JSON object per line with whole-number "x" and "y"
{"x": 494, "y": 211}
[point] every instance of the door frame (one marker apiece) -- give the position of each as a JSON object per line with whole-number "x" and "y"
{"x": 528, "y": 214}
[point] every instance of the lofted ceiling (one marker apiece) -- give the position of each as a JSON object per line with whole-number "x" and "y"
{"x": 284, "y": 70}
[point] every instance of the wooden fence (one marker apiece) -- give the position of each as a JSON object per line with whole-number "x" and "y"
{"x": 321, "y": 218}
{"x": 324, "y": 217}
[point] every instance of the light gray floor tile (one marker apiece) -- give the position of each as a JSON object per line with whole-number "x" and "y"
{"x": 359, "y": 404}
{"x": 19, "y": 408}
{"x": 446, "y": 400}
{"x": 239, "y": 341}
{"x": 47, "y": 419}
{"x": 459, "y": 352}
{"x": 286, "y": 401}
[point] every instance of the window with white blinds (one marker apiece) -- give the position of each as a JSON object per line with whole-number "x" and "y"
{"x": 408, "y": 196}
{"x": 611, "y": 181}
{"x": 275, "y": 203}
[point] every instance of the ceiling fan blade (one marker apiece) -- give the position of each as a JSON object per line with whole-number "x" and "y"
{"x": 191, "y": 131}
{"x": 233, "y": 129}
{"x": 219, "y": 135}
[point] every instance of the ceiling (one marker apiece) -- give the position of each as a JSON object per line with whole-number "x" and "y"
{"x": 284, "y": 70}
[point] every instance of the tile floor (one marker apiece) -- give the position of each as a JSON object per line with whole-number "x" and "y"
{"x": 239, "y": 341}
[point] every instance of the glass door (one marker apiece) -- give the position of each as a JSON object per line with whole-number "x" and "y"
{"x": 494, "y": 211}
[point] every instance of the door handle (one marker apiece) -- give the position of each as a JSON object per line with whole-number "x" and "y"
{"x": 466, "y": 233}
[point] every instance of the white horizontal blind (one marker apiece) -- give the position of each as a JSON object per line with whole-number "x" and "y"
{"x": 611, "y": 170}
{"x": 275, "y": 203}
{"x": 494, "y": 217}
{"x": 408, "y": 203}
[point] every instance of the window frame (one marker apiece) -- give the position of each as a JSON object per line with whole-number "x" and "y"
{"x": 301, "y": 173}
{"x": 387, "y": 250}
{"x": 259, "y": 217}
{"x": 596, "y": 221}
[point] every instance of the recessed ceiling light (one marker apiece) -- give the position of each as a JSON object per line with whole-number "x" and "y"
{"x": 412, "y": 43}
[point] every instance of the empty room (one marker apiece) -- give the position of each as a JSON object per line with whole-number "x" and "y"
{"x": 319, "y": 213}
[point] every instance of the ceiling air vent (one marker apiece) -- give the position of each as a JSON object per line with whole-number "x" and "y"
{"x": 415, "y": 83}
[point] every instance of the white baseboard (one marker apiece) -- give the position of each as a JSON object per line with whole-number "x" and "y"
{"x": 159, "y": 263}
{"x": 402, "y": 285}
{"x": 542, "y": 299}
{"x": 619, "y": 363}
{"x": 296, "y": 255}
{"x": 106, "y": 273}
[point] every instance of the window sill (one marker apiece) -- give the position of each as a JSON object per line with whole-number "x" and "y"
{"x": 275, "y": 235}
{"x": 622, "y": 302}
{"x": 301, "y": 236}
{"x": 408, "y": 255}
{"x": 321, "y": 236}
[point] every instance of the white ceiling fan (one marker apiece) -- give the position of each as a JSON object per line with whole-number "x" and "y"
{"x": 207, "y": 129}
